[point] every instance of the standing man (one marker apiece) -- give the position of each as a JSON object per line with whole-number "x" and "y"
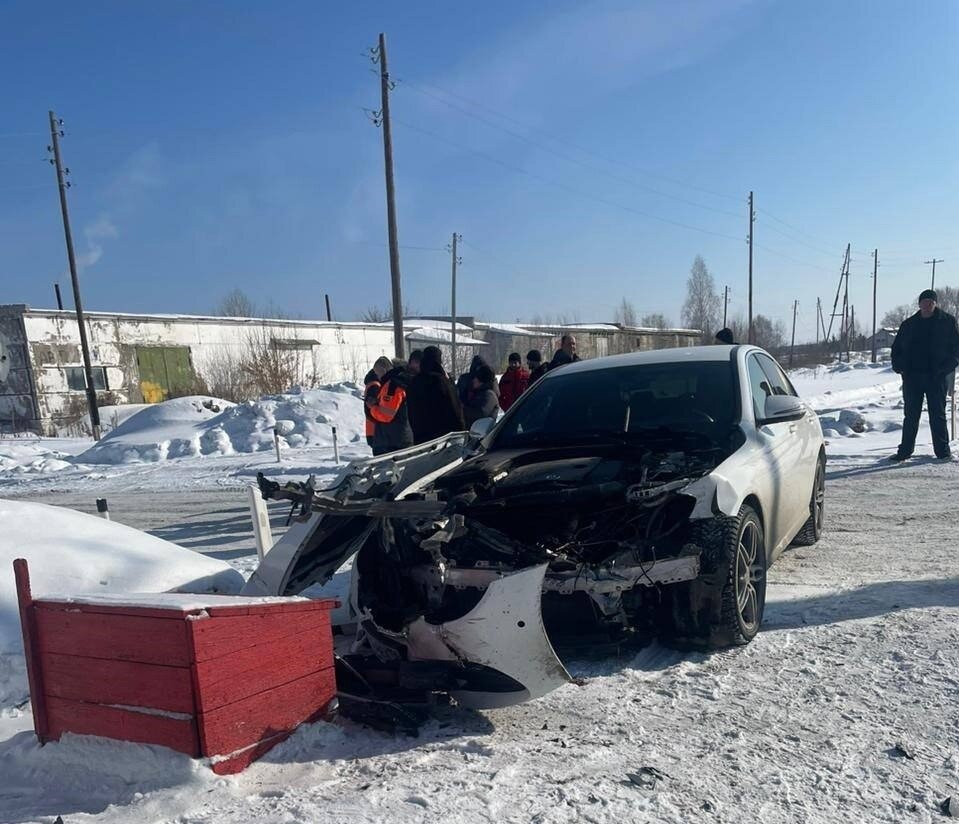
{"x": 434, "y": 407}
{"x": 566, "y": 352}
{"x": 513, "y": 383}
{"x": 534, "y": 362}
{"x": 925, "y": 352}
{"x": 413, "y": 364}
{"x": 390, "y": 412}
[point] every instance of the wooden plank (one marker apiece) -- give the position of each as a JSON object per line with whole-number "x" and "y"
{"x": 232, "y": 678}
{"x": 239, "y": 761}
{"x": 218, "y": 637}
{"x": 164, "y": 613}
{"x": 213, "y": 610}
{"x": 323, "y": 604}
{"x": 93, "y": 719}
{"x": 132, "y": 683}
{"x": 115, "y": 637}
{"x": 28, "y": 626}
{"x": 235, "y": 726}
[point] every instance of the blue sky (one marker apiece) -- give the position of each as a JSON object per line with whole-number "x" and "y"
{"x": 216, "y": 145}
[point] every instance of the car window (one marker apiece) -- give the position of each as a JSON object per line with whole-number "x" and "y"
{"x": 759, "y": 386}
{"x": 627, "y": 401}
{"x": 777, "y": 378}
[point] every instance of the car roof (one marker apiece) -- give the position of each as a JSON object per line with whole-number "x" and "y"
{"x": 680, "y": 354}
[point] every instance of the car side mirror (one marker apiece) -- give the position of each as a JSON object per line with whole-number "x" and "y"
{"x": 480, "y": 429}
{"x": 780, "y": 409}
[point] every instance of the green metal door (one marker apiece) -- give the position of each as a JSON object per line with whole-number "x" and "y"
{"x": 165, "y": 371}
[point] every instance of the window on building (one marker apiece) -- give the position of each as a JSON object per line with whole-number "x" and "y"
{"x": 77, "y": 382}
{"x": 294, "y": 344}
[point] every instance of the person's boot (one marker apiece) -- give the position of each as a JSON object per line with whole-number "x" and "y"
{"x": 899, "y": 457}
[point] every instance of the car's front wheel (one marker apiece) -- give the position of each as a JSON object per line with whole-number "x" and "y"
{"x": 724, "y": 606}
{"x": 744, "y": 594}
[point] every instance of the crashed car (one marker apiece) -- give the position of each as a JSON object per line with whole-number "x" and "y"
{"x": 637, "y": 495}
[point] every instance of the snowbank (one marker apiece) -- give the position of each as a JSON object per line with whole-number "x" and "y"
{"x": 70, "y": 552}
{"x": 31, "y": 455}
{"x": 197, "y": 426}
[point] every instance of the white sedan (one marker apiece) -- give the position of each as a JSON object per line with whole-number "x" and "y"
{"x": 624, "y": 497}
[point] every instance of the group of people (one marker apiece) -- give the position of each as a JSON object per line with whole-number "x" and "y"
{"x": 414, "y": 401}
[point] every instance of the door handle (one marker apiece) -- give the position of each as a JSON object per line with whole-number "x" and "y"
{"x": 792, "y": 428}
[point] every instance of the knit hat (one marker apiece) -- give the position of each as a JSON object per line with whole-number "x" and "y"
{"x": 928, "y": 294}
{"x": 534, "y": 356}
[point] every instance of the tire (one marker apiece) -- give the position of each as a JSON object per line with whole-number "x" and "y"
{"x": 724, "y": 606}
{"x": 811, "y": 531}
{"x": 744, "y": 593}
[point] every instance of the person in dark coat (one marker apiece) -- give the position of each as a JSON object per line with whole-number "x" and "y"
{"x": 464, "y": 383}
{"x": 513, "y": 383}
{"x": 434, "y": 408}
{"x": 391, "y": 413}
{"x": 534, "y": 361}
{"x": 725, "y": 337}
{"x": 566, "y": 352}
{"x": 413, "y": 364}
{"x": 925, "y": 352}
{"x": 483, "y": 401}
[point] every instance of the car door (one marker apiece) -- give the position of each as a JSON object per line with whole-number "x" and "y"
{"x": 775, "y": 454}
{"x": 798, "y": 457}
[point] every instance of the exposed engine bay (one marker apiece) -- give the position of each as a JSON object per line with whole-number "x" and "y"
{"x": 568, "y": 542}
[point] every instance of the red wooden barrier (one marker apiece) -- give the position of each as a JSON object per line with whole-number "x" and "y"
{"x": 206, "y": 675}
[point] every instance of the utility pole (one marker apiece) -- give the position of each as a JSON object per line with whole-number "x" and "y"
{"x": 725, "y": 305}
{"x": 818, "y": 318}
{"x": 843, "y": 279}
{"x": 875, "y": 280}
{"x": 55, "y": 134}
{"x": 329, "y": 312}
{"x": 384, "y": 118}
{"x": 850, "y": 334}
{"x": 456, "y": 260}
{"x": 933, "y": 262}
{"x": 56, "y": 289}
{"x": 792, "y": 344}
{"x": 752, "y": 219}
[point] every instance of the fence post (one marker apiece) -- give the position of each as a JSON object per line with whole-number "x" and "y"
{"x": 276, "y": 443}
{"x": 262, "y": 532}
{"x": 336, "y": 449}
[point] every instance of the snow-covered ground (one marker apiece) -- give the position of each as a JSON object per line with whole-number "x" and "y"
{"x": 859, "y": 653}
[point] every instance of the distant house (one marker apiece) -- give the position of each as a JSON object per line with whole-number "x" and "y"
{"x": 884, "y": 338}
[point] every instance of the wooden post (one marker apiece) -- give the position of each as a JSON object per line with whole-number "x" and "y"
{"x": 28, "y": 627}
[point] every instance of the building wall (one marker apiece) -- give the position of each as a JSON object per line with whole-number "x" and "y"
{"x": 18, "y": 410}
{"x": 327, "y": 352}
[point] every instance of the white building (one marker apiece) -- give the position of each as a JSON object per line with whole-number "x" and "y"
{"x": 148, "y": 358}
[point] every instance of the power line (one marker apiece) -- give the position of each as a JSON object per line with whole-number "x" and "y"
{"x": 573, "y": 145}
{"x": 561, "y": 185}
{"x": 568, "y": 158}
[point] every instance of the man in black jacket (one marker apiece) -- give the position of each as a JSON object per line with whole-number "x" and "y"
{"x": 925, "y": 352}
{"x": 566, "y": 352}
{"x": 434, "y": 407}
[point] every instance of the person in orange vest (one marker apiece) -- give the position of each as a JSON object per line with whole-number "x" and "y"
{"x": 390, "y": 411}
{"x": 372, "y": 384}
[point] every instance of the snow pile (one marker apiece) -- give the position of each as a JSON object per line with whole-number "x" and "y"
{"x": 70, "y": 552}
{"x": 845, "y": 423}
{"x": 197, "y": 426}
{"x": 31, "y": 455}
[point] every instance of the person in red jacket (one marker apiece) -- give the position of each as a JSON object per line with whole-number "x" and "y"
{"x": 513, "y": 383}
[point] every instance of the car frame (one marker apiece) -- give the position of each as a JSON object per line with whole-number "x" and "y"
{"x": 470, "y": 622}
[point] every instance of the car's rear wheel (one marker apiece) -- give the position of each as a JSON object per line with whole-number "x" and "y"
{"x": 812, "y": 530}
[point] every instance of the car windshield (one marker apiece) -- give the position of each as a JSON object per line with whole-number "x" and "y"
{"x": 627, "y": 402}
